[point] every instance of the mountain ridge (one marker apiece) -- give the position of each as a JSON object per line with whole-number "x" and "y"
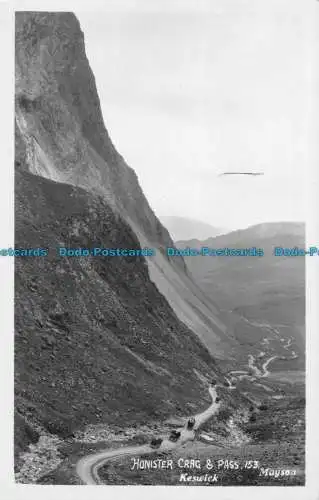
{"x": 261, "y": 229}
{"x": 183, "y": 228}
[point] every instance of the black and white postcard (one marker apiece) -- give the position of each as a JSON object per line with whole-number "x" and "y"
{"x": 162, "y": 185}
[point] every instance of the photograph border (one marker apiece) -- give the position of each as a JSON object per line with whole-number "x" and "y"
{"x": 16, "y": 491}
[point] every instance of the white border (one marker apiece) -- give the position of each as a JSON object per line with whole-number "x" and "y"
{"x": 7, "y": 487}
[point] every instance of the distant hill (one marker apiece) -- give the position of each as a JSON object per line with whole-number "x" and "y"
{"x": 264, "y": 290}
{"x": 182, "y": 228}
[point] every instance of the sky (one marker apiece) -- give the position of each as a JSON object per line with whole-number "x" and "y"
{"x": 192, "y": 89}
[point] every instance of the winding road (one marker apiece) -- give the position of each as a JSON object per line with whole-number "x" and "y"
{"x": 265, "y": 366}
{"x": 87, "y": 467}
{"x": 264, "y": 372}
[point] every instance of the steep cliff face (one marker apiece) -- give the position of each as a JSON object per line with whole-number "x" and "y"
{"x": 59, "y": 116}
{"x": 61, "y": 129}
